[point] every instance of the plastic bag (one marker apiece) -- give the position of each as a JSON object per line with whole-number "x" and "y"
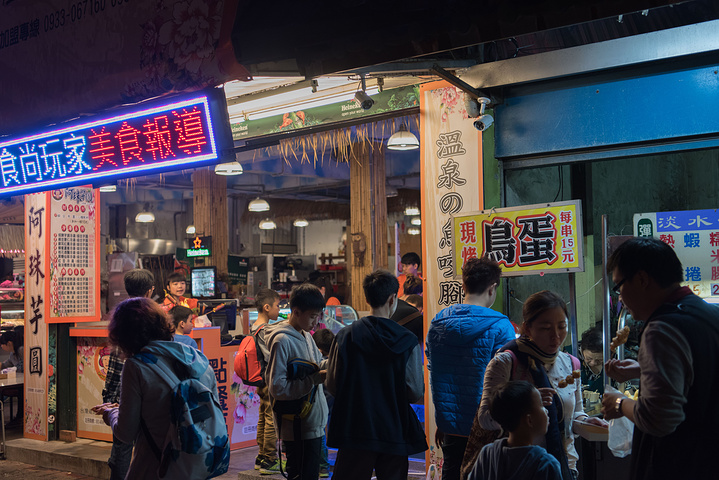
{"x": 621, "y": 431}
{"x": 202, "y": 321}
{"x": 432, "y": 472}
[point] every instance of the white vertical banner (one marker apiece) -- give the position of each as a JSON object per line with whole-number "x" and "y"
{"x": 451, "y": 178}
{"x": 36, "y": 312}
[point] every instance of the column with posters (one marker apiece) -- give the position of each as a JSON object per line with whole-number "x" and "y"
{"x": 694, "y": 236}
{"x": 451, "y": 170}
{"x": 36, "y": 313}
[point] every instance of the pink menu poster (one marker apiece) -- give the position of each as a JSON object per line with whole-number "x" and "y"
{"x": 74, "y": 255}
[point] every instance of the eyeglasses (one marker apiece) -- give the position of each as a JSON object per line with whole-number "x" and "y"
{"x": 618, "y": 286}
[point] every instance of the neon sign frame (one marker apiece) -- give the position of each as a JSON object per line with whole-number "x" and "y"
{"x": 196, "y": 132}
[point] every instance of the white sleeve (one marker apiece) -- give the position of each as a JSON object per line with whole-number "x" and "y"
{"x": 499, "y": 372}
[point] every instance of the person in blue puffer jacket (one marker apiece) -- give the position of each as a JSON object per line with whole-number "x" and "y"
{"x": 461, "y": 341}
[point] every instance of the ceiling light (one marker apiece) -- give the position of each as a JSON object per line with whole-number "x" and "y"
{"x": 190, "y": 230}
{"x": 416, "y": 221}
{"x": 411, "y": 211}
{"x": 267, "y": 224}
{"x": 145, "y": 216}
{"x": 403, "y": 139}
{"x": 108, "y": 188}
{"x": 258, "y": 205}
{"x": 413, "y": 231}
{"x": 232, "y": 168}
{"x": 300, "y": 222}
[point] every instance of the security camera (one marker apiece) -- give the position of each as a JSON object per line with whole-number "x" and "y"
{"x": 483, "y": 122}
{"x": 364, "y": 100}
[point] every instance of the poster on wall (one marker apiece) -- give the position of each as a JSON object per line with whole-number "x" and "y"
{"x": 74, "y": 257}
{"x": 451, "y": 172}
{"x": 93, "y": 354}
{"x": 36, "y": 313}
{"x": 526, "y": 240}
{"x": 694, "y": 236}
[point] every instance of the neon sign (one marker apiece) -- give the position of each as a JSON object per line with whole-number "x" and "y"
{"x": 139, "y": 142}
{"x": 200, "y": 247}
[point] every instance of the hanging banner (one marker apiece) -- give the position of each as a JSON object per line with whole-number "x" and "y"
{"x": 451, "y": 184}
{"x": 694, "y": 236}
{"x": 392, "y": 100}
{"x": 36, "y": 314}
{"x": 62, "y": 59}
{"x": 526, "y": 240}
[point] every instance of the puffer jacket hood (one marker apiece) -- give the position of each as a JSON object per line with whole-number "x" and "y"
{"x": 195, "y": 362}
{"x": 462, "y": 324}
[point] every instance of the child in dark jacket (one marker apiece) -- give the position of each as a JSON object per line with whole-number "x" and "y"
{"x": 517, "y": 407}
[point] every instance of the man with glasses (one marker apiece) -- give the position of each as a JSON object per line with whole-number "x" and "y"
{"x": 676, "y": 421}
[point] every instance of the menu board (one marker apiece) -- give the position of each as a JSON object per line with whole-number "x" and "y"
{"x": 74, "y": 266}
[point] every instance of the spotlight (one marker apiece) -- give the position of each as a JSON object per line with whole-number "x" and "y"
{"x": 364, "y": 100}
{"x": 483, "y": 122}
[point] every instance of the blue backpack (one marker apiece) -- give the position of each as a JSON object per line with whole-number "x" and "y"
{"x": 196, "y": 445}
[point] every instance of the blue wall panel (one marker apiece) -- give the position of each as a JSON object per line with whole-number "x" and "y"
{"x": 562, "y": 117}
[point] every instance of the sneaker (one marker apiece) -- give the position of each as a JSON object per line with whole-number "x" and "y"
{"x": 324, "y": 472}
{"x": 258, "y": 461}
{"x": 270, "y": 468}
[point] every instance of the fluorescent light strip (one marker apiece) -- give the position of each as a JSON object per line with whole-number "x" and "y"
{"x": 139, "y": 168}
{"x": 140, "y": 113}
{"x": 238, "y": 113}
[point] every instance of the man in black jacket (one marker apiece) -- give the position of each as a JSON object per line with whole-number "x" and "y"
{"x": 675, "y": 418}
{"x": 375, "y": 372}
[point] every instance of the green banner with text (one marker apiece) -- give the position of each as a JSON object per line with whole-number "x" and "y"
{"x": 395, "y": 99}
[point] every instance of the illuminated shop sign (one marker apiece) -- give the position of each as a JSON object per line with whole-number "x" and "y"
{"x": 201, "y": 247}
{"x": 146, "y": 140}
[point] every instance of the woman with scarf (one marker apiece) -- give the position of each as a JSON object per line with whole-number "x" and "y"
{"x": 535, "y": 357}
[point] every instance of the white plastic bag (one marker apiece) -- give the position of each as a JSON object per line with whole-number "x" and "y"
{"x": 621, "y": 431}
{"x": 202, "y": 321}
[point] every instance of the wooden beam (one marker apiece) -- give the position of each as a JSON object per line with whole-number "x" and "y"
{"x": 210, "y": 214}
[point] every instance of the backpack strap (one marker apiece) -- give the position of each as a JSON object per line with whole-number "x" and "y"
{"x": 409, "y": 318}
{"x": 514, "y": 363}
{"x": 153, "y": 446}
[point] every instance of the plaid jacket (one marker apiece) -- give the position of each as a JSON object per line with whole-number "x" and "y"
{"x": 111, "y": 392}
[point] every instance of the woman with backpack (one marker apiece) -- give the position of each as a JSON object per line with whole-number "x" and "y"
{"x": 158, "y": 377}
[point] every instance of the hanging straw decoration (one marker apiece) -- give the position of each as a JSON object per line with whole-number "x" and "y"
{"x": 336, "y": 143}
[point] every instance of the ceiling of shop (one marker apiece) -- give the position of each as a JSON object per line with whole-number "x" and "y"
{"x": 291, "y": 49}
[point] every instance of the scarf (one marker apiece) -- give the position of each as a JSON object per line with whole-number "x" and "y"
{"x": 528, "y": 352}
{"x": 525, "y": 345}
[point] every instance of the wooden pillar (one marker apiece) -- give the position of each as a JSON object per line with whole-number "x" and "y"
{"x": 367, "y": 238}
{"x": 210, "y": 214}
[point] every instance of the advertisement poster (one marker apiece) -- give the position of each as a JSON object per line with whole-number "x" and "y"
{"x": 526, "y": 240}
{"x": 239, "y": 402}
{"x": 74, "y": 263}
{"x": 93, "y": 354}
{"x": 451, "y": 172}
{"x": 36, "y": 313}
{"x": 694, "y": 236}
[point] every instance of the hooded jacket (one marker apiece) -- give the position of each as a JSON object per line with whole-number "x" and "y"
{"x": 461, "y": 341}
{"x": 145, "y": 395}
{"x": 285, "y": 343}
{"x": 375, "y": 372}
{"x": 499, "y": 461}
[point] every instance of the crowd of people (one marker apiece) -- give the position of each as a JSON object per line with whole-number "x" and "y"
{"x": 506, "y": 406}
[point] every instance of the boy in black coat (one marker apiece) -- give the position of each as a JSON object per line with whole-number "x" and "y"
{"x": 375, "y": 372}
